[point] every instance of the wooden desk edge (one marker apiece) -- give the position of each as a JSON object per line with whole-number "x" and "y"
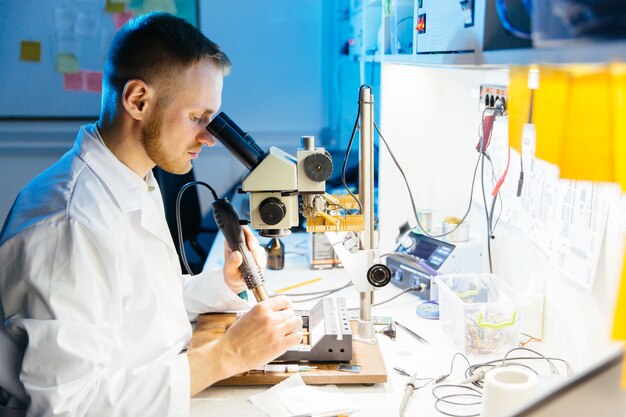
{"x": 211, "y": 326}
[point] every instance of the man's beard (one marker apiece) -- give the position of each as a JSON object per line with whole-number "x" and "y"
{"x": 153, "y": 144}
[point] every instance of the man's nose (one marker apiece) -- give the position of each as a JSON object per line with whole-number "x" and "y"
{"x": 206, "y": 138}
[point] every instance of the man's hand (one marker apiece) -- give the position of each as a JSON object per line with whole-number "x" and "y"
{"x": 233, "y": 259}
{"x": 260, "y": 336}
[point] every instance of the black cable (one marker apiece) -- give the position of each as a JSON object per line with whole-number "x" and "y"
{"x": 406, "y": 182}
{"x": 443, "y": 377}
{"x": 498, "y": 195}
{"x": 181, "y": 244}
{"x": 520, "y": 182}
{"x": 474, "y": 393}
{"x": 345, "y": 159}
{"x": 488, "y": 213}
{"x": 417, "y": 288}
{"x": 482, "y": 182}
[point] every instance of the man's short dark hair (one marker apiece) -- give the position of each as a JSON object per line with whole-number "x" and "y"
{"x": 154, "y": 47}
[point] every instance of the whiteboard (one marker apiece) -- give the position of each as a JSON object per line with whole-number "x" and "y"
{"x": 35, "y": 88}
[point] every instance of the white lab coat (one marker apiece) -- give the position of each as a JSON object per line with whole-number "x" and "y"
{"x": 93, "y": 294}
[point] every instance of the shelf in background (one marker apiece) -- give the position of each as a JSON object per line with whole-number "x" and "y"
{"x": 564, "y": 53}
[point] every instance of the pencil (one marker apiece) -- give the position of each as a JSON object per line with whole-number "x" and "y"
{"x": 291, "y": 287}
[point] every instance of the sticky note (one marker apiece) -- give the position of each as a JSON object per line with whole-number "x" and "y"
{"x": 67, "y": 63}
{"x": 619, "y": 323}
{"x": 114, "y": 7}
{"x": 549, "y": 112}
{"x": 30, "y": 51}
{"x": 135, "y": 5}
{"x": 159, "y": 5}
{"x": 73, "y": 82}
{"x": 86, "y": 24}
{"x": 93, "y": 81}
{"x": 120, "y": 19}
{"x": 588, "y": 142}
{"x": 64, "y": 19}
{"x": 618, "y": 90}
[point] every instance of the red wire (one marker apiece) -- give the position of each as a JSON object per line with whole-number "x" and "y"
{"x": 501, "y": 180}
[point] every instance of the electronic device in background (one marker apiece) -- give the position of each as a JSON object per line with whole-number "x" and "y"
{"x": 418, "y": 258}
{"x": 322, "y": 254}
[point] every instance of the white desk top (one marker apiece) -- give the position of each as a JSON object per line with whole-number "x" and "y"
{"x": 429, "y": 360}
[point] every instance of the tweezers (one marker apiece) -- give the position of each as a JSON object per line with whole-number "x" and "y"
{"x": 406, "y": 329}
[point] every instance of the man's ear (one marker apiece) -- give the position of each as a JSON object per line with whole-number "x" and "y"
{"x": 138, "y": 98}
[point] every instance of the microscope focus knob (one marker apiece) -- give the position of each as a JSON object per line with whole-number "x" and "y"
{"x": 379, "y": 275}
{"x": 272, "y": 211}
{"x": 318, "y": 166}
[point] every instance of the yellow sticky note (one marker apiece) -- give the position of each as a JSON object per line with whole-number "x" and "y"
{"x": 587, "y": 147}
{"x": 618, "y": 91}
{"x": 30, "y": 51}
{"x": 549, "y": 113}
{"x": 619, "y": 323}
{"x": 518, "y": 104}
{"x": 114, "y": 7}
{"x": 67, "y": 64}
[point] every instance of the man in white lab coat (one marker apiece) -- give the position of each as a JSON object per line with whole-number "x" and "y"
{"x": 96, "y": 307}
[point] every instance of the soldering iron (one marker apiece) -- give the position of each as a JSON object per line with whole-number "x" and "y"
{"x": 227, "y": 220}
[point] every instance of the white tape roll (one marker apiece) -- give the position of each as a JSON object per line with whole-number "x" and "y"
{"x": 506, "y": 388}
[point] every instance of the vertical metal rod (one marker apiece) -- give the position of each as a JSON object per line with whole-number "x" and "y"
{"x": 366, "y": 195}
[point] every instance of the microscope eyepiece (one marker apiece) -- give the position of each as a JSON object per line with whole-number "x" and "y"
{"x": 238, "y": 142}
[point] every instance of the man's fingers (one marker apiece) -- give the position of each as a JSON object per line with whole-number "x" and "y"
{"x": 233, "y": 260}
{"x": 283, "y": 315}
{"x": 279, "y": 303}
{"x": 291, "y": 325}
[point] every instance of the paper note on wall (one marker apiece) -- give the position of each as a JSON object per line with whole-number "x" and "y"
{"x": 518, "y": 105}
{"x": 550, "y": 112}
{"x": 587, "y": 144}
{"x": 66, "y": 64}
{"x": 64, "y": 19}
{"x": 73, "y": 82}
{"x": 92, "y": 81}
{"x": 120, "y": 19}
{"x": 86, "y": 24}
{"x": 114, "y": 7}
{"x": 161, "y": 5}
{"x": 579, "y": 114}
{"x": 618, "y": 101}
{"x": 30, "y": 51}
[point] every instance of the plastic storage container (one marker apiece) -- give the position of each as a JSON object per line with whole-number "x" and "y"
{"x": 479, "y": 312}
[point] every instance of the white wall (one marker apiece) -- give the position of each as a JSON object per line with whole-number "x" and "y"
{"x": 29, "y": 147}
{"x": 430, "y": 117}
{"x": 278, "y": 83}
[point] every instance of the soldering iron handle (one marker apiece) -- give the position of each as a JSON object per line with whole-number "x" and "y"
{"x": 227, "y": 220}
{"x": 408, "y": 391}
